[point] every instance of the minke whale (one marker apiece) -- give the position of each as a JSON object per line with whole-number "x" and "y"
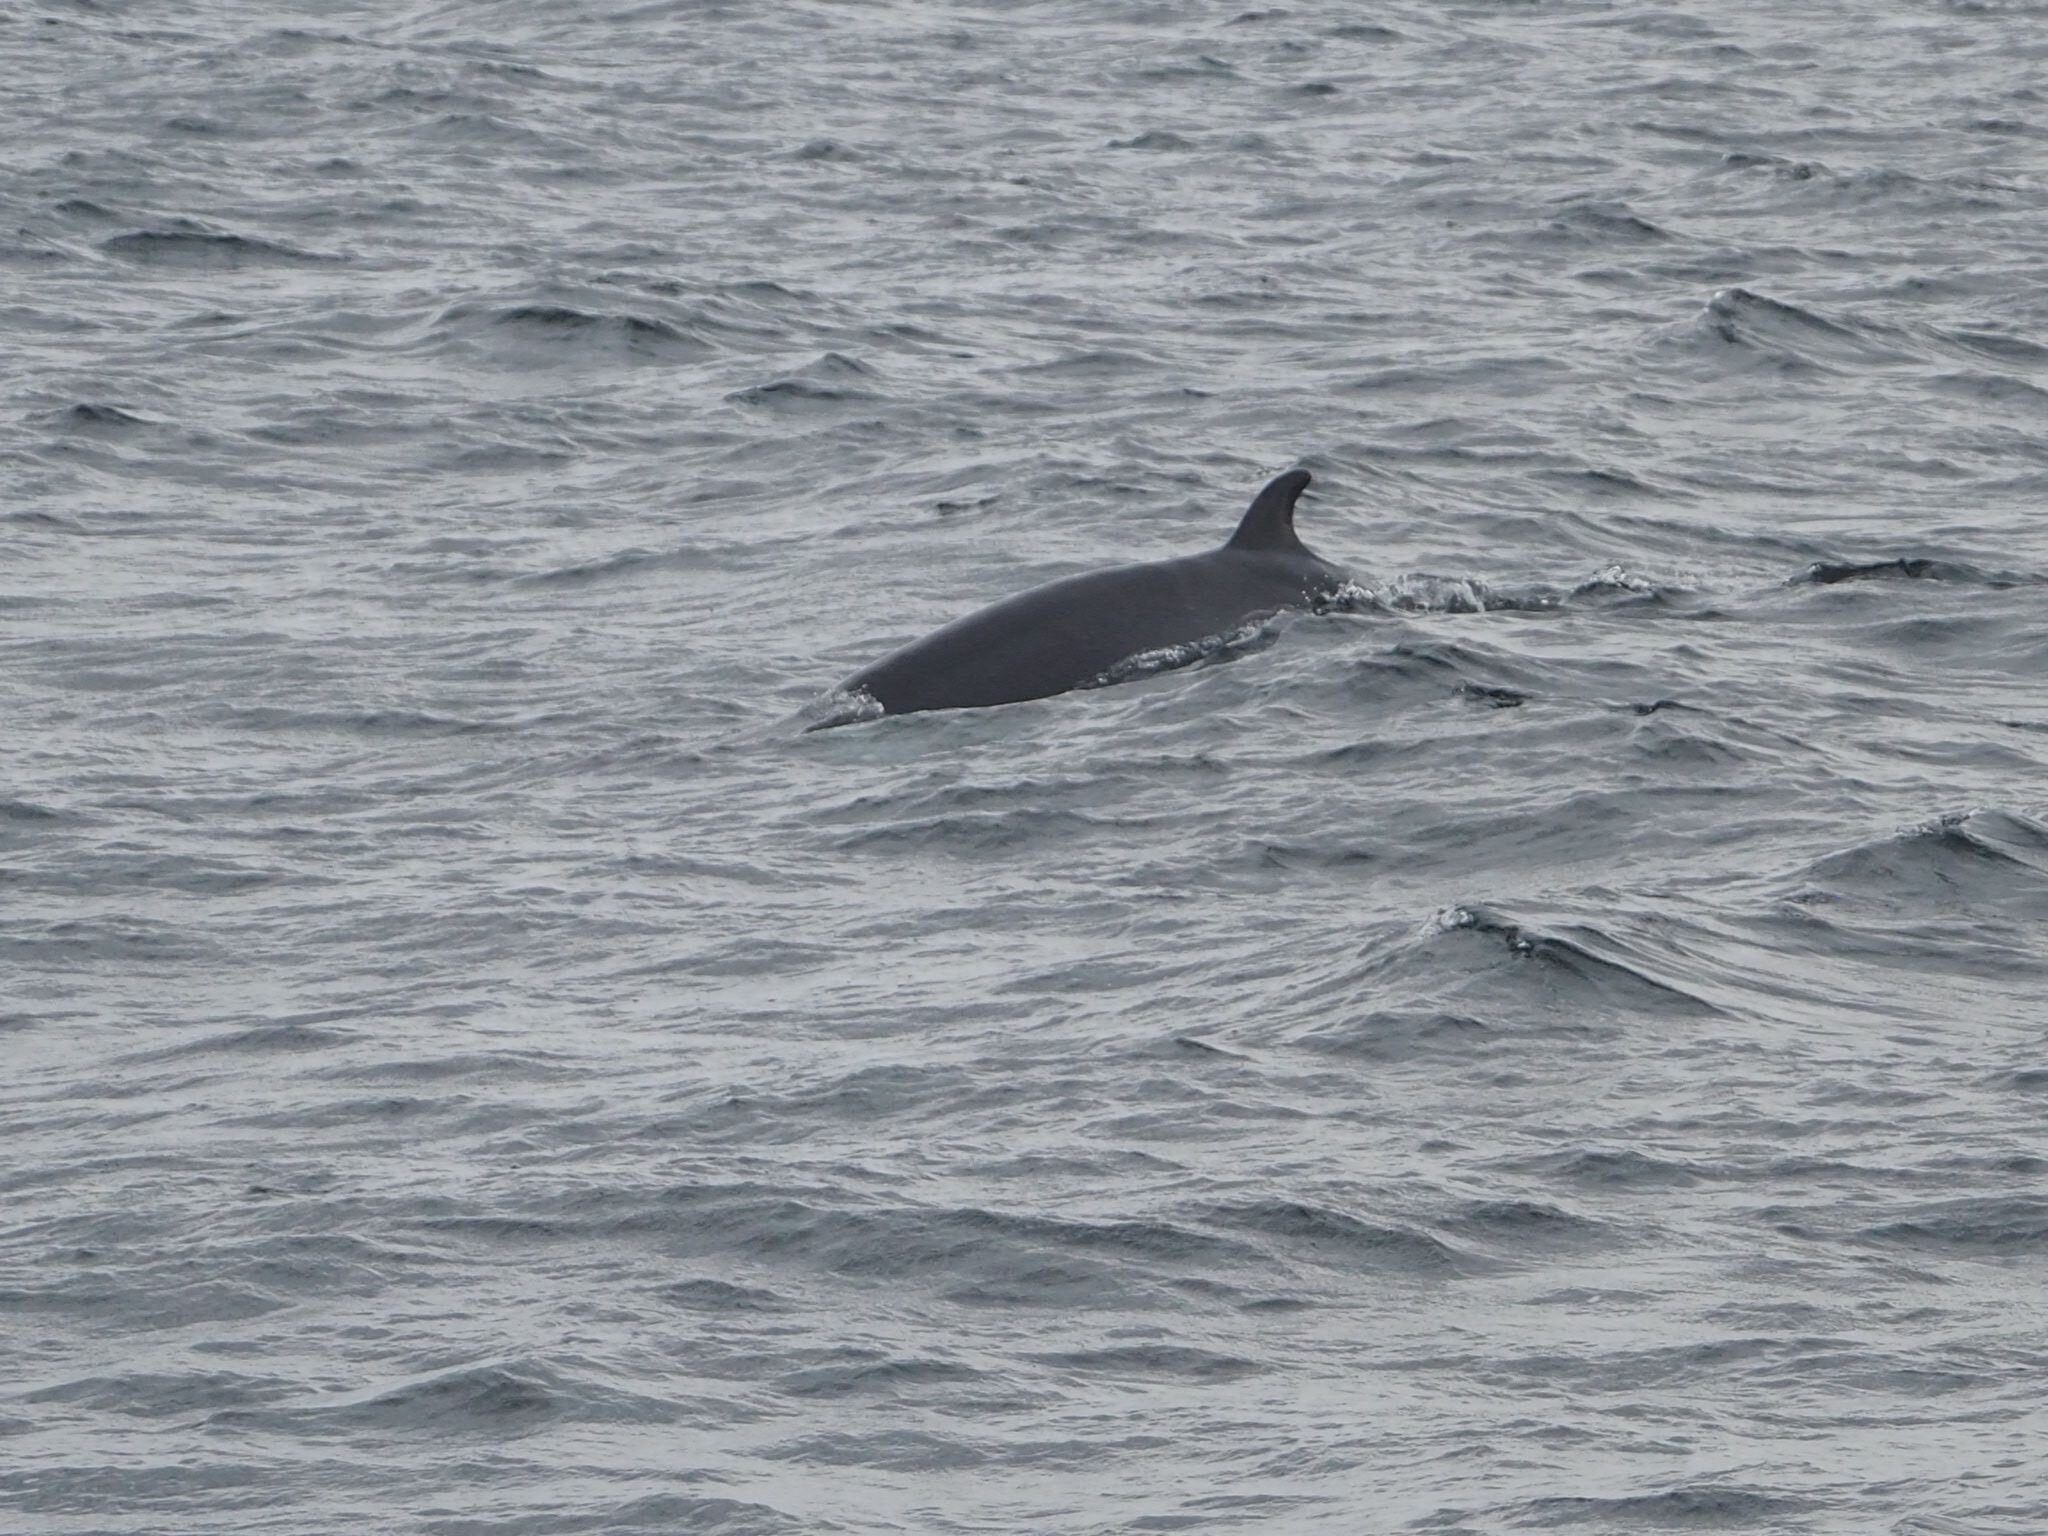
{"x": 1095, "y": 628}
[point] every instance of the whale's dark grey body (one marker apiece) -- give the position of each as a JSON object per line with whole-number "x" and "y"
{"x": 1072, "y": 633}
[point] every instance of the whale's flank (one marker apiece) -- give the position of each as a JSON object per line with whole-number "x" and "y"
{"x": 1074, "y": 632}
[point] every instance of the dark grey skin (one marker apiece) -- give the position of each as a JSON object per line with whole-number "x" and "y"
{"x": 1072, "y": 633}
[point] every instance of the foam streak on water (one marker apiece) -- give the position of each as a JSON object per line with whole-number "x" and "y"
{"x": 1555, "y": 1044}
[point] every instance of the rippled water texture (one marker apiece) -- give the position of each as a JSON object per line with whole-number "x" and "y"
{"x": 1560, "y": 1047}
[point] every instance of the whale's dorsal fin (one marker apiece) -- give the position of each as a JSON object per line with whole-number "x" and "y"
{"x": 1270, "y": 522}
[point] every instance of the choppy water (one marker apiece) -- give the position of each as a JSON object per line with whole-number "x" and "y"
{"x": 1562, "y": 1048}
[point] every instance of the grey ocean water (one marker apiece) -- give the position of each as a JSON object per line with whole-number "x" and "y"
{"x": 1560, "y": 1047}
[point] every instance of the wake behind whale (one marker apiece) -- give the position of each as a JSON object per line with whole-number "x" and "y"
{"x": 1085, "y": 630}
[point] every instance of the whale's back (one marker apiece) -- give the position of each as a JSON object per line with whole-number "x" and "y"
{"x": 1069, "y": 633}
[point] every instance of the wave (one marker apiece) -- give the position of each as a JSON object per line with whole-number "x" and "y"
{"x": 1962, "y": 862}
{"x": 1426, "y": 668}
{"x": 162, "y": 1394}
{"x": 1174, "y": 1362}
{"x": 1601, "y": 1168}
{"x": 1472, "y": 984}
{"x": 1156, "y": 139}
{"x": 1603, "y": 224}
{"x": 1522, "y": 1227}
{"x": 548, "y": 331}
{"x": 1700, "y": 1506}
{"x": 1580, "y": 966}
{"x": 1398, "y": 1035}
{"x": 828, "y": 150}
{"x": 87, "y": 416}
{"x": 358, "y": 722}
{"x": 203, "y": 248}
{"x": 633, "y": 563}
{"x": 723, "y": 1296}
{"x": 971, "y": 1254}
{"x": 1326, "y": 1237}
{"x": 1825, "y": 573}
{"x": 492, "y": 1399}
{"x": 1984, "y": 1227}
{"x": 873, "y": 1373}
{"x": 1792, "y": 336}
{"x": 795, "y": 394}
{"x": 831, "y": 380}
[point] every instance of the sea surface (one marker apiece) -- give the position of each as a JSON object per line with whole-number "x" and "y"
{"x": 1558, "y": 1045}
